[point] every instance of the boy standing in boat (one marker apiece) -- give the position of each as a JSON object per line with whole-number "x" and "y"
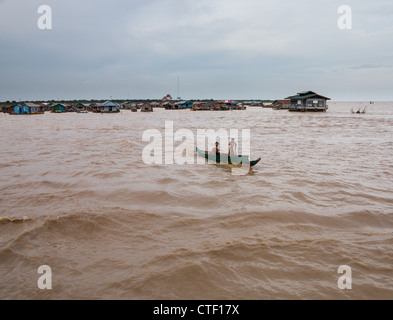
{"x": 232, "y": 148}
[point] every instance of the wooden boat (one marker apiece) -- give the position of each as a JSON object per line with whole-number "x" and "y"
{"x": 223, "y": 158}
{"x": 359, "y": 110}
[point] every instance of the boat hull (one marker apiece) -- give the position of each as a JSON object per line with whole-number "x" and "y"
{"x": 225, "y": 159}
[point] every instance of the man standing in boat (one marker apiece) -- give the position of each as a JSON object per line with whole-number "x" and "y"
{"x": 216, "y": 150}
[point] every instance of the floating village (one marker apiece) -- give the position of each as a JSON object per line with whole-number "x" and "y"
{"x": 307, "y": 101}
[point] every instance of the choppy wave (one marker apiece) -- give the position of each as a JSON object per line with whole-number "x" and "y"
{"x": 110, "y": 226}
{"x": 141, "y": 255}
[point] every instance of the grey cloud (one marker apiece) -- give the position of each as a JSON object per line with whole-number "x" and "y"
{"x": 221, "y": 48}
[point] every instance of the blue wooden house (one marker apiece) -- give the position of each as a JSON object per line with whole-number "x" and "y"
{"x": 59, "y": 108}
{"x": 21, "y": 109}
{"x": 25, "y": 108}
{"x": 183, "y": 105}
{"x": 106, "y": 107}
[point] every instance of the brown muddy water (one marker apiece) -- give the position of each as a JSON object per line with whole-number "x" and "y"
{"x": 76, "y": 195}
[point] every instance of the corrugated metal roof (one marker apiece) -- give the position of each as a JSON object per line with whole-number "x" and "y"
{"x": 108, "y": 104}
{"x": 283, "y": 101}
{"x": 30, "y": 104}
{"x": 306, "y": 95}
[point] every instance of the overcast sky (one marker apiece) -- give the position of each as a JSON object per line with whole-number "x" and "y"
{"x": 220, "y": 49}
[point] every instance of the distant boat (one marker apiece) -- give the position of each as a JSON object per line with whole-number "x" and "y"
{"x": 225, "y": 159}
{"x": 359, "y": 110}
{"x": 238, "y": 106}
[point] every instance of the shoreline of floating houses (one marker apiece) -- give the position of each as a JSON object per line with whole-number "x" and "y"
{"x": 114, "y": 107}
{"x": 303, "y": 101}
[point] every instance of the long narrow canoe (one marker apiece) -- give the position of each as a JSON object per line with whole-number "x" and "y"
{"x": 225, "y": 159}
